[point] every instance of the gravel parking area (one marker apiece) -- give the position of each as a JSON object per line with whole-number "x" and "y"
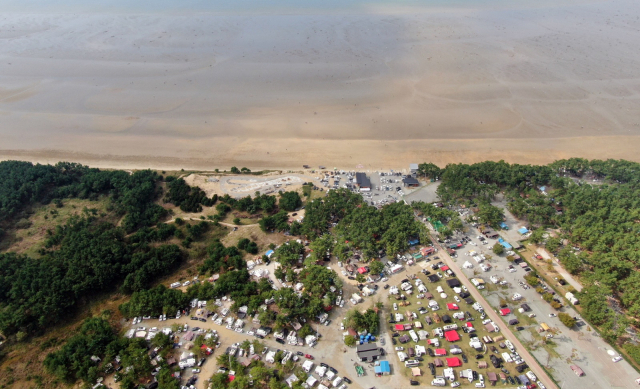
{"x": 581, "y": 347}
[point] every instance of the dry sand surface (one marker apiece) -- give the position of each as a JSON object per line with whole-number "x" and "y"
{"x": 355, "y": 83}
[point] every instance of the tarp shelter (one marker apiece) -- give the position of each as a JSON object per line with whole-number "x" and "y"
{"x": 362, "y": 270}
{"x": 505, "y": 244}
{"x": 482, "y": 365}
{"x": 446, "y": 319}
{"x": 504, "y": 225}
{"x": 454, "y": 362}
{"x": 382, "y": 368}
{"x": 433, "y": 278}
{"x": 490, "y": 327}
{"x": 415, "y": 371}
{"x": 444, "y": 268}
{"x": 452, "y": 307}
{"x": 505, "y": 311}
{"x": 440, "y": 352}
{"x": 523, "y": 230}
{"x": 453, "y": 283}
{"x": 438, "y": 362}
{"x": 452, "y": 336}
{"x": 492, "y": 377}
{"x": 399, "y": 327}
{"x": 269, "y": 253}
{"x": 413, "y": 242}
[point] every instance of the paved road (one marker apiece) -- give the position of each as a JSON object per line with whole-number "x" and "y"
{"x": 506, "y": 332}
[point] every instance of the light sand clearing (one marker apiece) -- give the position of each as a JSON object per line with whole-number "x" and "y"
{"x": 377, "y": 86}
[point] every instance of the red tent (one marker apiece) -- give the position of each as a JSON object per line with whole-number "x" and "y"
{"x": 362, "y": 270}
{"x": 451, "y": 336}
{"x": 454, "y": 362}
{"x": 444, "y": 268}
{"x": 505, "y": 311}
{"x": 399, "y": 327}
{"x": 441, "y": 351}
{"x": 452, "y": 307}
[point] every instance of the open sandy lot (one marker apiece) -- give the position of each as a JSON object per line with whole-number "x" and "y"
{"x": 215, "y": 84}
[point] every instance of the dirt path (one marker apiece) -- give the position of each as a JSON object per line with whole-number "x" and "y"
{"x": 505, "y": 331}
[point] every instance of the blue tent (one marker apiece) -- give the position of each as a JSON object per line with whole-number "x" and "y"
{"x": 523, "y": 230}
{"x": 504, "y": 225}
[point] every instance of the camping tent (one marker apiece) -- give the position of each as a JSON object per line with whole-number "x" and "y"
{"x": 454, "y": 362}
{"x": 452, "y": 336}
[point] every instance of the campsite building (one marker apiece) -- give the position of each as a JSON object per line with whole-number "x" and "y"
{"x": 363, "y": 182}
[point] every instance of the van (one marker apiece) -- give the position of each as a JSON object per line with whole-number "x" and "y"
{"x": 175, "y": 285}
{"x": 411, "y": 363}
{"x": 532, "y": 376}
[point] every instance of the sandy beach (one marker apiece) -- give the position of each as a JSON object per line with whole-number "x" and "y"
{"x": 363, "y": 83}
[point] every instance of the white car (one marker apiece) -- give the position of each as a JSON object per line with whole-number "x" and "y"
{"x": 456, "y": 298}
{"x": 465, "y": 288}
{"x": 616, "y": 359}
{"x": 552, "y": 315}
{"x": 399, "y": 348}
{"x": 395, "y": 306}
{"x": 342, "y": 326}
{"x": 195, "y": 371}
{"x": 532, "y": 315}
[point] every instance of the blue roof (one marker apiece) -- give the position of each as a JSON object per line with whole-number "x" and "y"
{"x": 523, "y": 230}
{"x": 506, "y": 245}
{"x": 270, "y": 252}
{"x": 543, "y": 188}
{"x": 383, "y": 368}
{"x": 504, "y": 225}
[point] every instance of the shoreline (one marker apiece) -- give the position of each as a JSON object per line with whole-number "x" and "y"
{"x": 287, "y": 154}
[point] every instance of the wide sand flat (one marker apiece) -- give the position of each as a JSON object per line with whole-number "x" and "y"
{"x": 377, "y": 85}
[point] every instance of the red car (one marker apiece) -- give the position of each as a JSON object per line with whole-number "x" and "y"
{"x": 308, "y": 356}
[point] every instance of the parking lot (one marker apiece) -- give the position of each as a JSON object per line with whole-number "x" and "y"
{"x": 579, "y": 346}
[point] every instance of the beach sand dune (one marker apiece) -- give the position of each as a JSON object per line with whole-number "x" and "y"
{"x": 374, "y": 85}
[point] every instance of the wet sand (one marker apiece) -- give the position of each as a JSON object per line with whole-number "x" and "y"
{"x": 377, "y": 85}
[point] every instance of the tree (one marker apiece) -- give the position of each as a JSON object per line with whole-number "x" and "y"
{"x": 235, "y": 170}
{"x": 498, "y": 249}
{"x": 349, "y": 341}
{"x": 567, "y": 320}
{"x": 236, "y": 221}
{"x": 360, "y": 278}
{"x": 290, "y": 201}
{"x": 376, "y": 267}
{"x": 532, "y": 280}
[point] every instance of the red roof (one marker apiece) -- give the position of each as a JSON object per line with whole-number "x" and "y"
{"x": 441, "y": 351}
{"x": 468, "y": 324}
{"x": 444, "y": 268}
{"x": 399, "y": 327}
{"x": 452, "y": 307}
{"x": 454, "y": 362}
{"x": 505, "y": 311}
{"x": 362, "y": 270}
{"x": 451, "y": 336}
